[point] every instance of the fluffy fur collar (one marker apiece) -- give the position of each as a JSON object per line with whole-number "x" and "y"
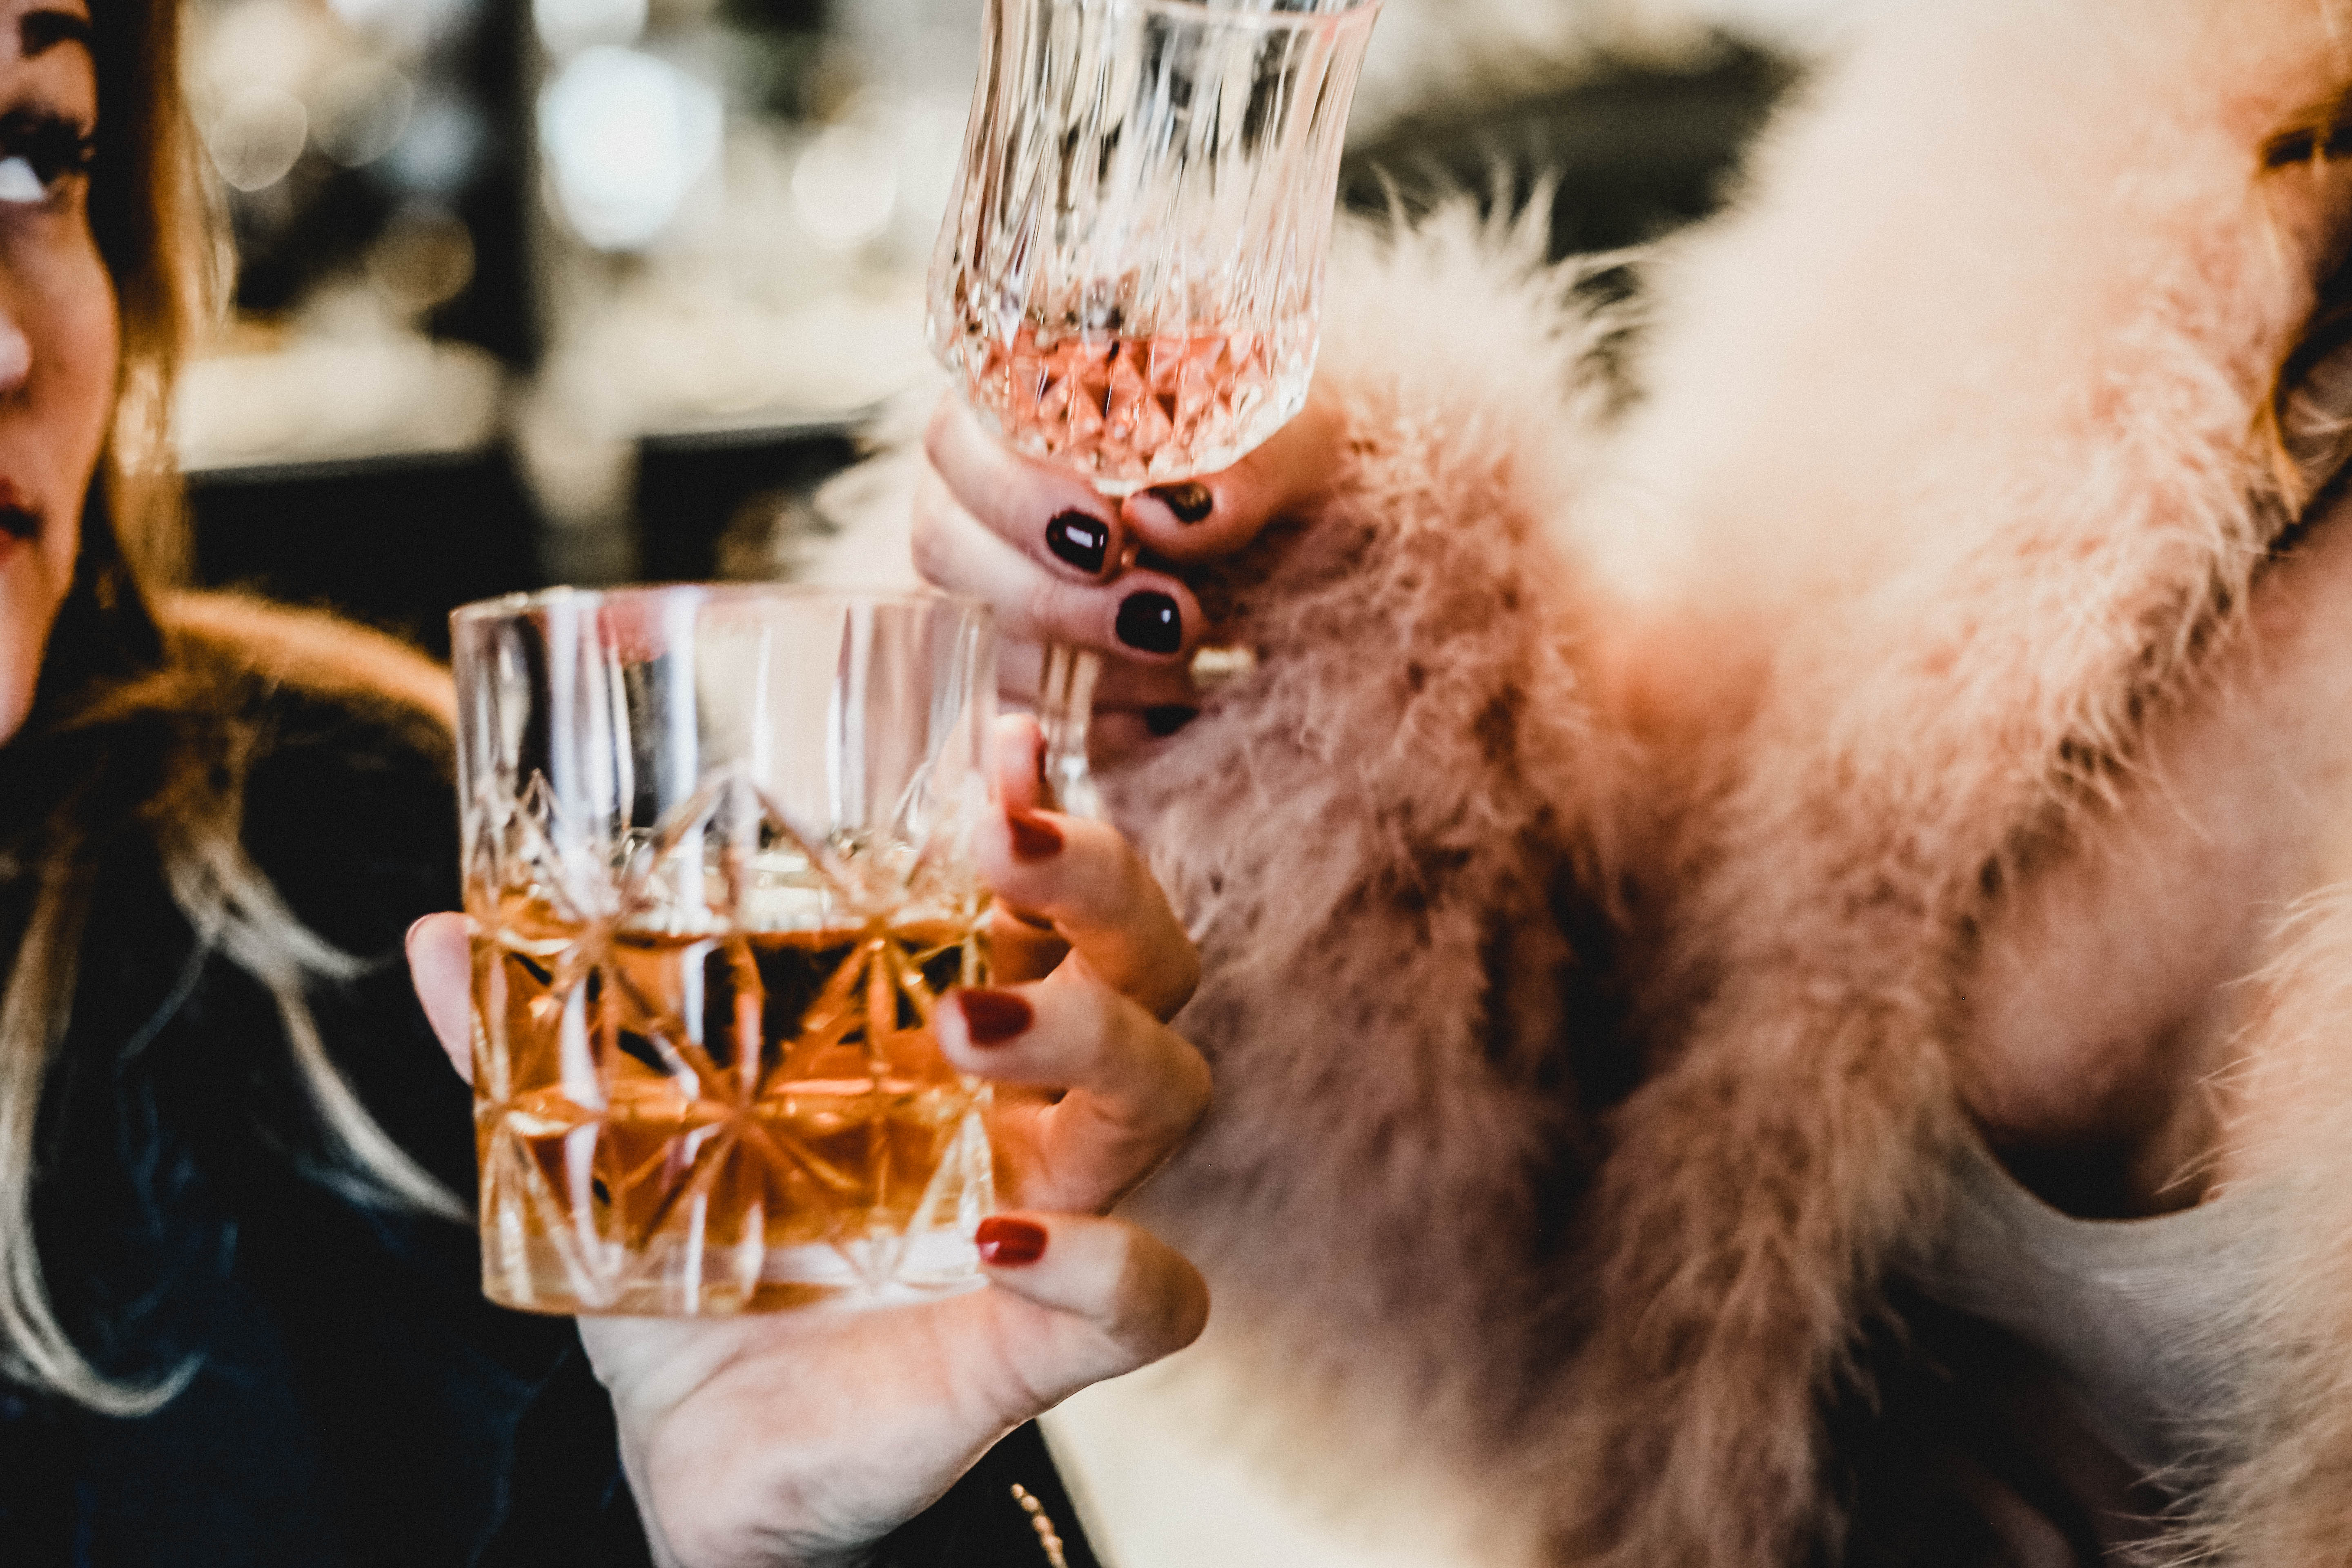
{"x": 1944, "y": 483}
{"x": 1589, "y": 878}
{"x": 1957, "y": 408}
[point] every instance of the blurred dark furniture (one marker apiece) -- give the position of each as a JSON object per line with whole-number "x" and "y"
{"x": 396, "y": 542}
{"x": 708, "y": 502}
{"x": 1634, "y": 149}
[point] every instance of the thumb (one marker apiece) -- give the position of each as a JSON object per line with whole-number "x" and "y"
{"x": 440, "y": 965}
{"x": 1078, "y": 1299}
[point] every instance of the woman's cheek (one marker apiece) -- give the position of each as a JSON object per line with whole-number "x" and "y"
{"x": 83, "y": 338}
{"x": 29, "y": 608}
{"x": 52, "y": 430}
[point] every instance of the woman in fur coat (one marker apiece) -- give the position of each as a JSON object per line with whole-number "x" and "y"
{"x": 1775, "y": 959}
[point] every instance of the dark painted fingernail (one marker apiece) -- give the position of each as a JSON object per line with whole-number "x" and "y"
{"x": 992, "y": 1017}
{"x": 1033, "y": 838}
{"x": 1003, "y": 1241}
{"x": 1165, "y": 721}
{"x": 1189, "y": 503}
{"x": 1083, "y": 541}
{"x": 1151, "y": 623}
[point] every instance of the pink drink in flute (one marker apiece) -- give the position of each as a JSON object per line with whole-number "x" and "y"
{"x": 1129, "y": 278}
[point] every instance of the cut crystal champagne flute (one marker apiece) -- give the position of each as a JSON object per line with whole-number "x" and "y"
{"x": 1128, "y": 281}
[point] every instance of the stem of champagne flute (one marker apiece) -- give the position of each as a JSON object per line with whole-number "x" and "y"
{"x": 1066, "y": 702}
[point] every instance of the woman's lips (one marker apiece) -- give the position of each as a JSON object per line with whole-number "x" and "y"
{"x": 17, "y": 519}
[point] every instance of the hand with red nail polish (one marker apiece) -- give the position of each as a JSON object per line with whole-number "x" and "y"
{"x": 1008, "y": 1243}
{"x": 805, "y": 1437}
{"x": 992, "y": 1017}
{"x": 1034, "y": 838}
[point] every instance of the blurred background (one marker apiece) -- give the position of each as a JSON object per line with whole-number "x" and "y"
{"x": 589, "y": 290}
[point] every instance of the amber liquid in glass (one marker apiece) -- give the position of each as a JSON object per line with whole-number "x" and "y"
{"x": 708, "y": 1107}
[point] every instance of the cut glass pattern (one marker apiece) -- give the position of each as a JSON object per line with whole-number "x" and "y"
{"x": 1128, "y": 281}
{"x": 707, "y": 1078}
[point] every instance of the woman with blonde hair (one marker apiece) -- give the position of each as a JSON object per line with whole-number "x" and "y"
{"x": 240, "y": 1316}
{"x": 1773, "y": 930}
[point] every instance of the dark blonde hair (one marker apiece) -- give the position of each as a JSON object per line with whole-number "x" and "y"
{"x": 113, "y": 668}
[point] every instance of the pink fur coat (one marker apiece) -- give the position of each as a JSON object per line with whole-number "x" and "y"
{"x": 1597, "y": 877}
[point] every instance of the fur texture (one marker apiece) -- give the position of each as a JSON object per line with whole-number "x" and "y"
{"x": 1944, "y": 486}
{"x": 1988, "y": 478}
{"x": 2283, "y": 1502}
{"x": 1378, "y": 843}
{"x": 1604, "y": 878}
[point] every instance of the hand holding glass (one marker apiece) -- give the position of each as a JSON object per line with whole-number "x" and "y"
{"x": 1128, "y": 281}
{"x": 717, "y": 855}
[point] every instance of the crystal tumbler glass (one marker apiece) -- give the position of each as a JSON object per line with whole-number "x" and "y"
{"x": 716, "y": 850}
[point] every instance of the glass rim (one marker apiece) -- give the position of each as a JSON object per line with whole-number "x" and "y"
{"x": 1222, "y": 14}
{"x": 511, "y": 606}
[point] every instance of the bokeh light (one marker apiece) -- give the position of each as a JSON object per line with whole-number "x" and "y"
{"x": 257, "y": 136}
{"x": 626, "y": 135}
{"x": 845, "y": 186}
{"x": 364, "y": 108}
{"x": 566, "y": 27}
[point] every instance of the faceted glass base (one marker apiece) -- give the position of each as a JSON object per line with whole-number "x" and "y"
{"x": 538, "y": 1274}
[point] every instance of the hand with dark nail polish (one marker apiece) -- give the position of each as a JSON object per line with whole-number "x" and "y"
{"x": 1162, "y": 723}
{"x": 1079, "y": 540}
{"x": 1151, "y": 623}
{"x": 1190, "y": 503}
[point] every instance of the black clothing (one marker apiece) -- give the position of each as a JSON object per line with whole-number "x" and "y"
{"x": 1005, "y": 1511}
{"x": 350, "y": 1397}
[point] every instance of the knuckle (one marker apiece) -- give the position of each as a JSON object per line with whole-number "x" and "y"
{"x": 939, "y": 430}
{"x": 1160, "y": 1305}
{"x": 1133, "y": 1298}
{"x": 932, "y": 551}
{"x": 1184, "y": 975}
{"x": 1047, "y": 603}
{"x": 1196, "y": 1088}
{"x": 1104, "y": 1018}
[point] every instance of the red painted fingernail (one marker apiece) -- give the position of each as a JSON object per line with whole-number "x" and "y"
{"x": 1009, "y": 1241}
{"x": 992, "y": 1017}
{"x": 1033, "y": 838}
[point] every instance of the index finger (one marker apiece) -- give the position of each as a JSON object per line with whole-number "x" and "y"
{"x": 440, "y": 966}
{"x": 1046, "y": 512}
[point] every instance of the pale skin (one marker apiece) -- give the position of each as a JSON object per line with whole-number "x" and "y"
{"x": 2124, "y": 1095}
{"x": 797, "y": 1440}
{"x": 61, "y": 342}
{"x": 980, "y": 514}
